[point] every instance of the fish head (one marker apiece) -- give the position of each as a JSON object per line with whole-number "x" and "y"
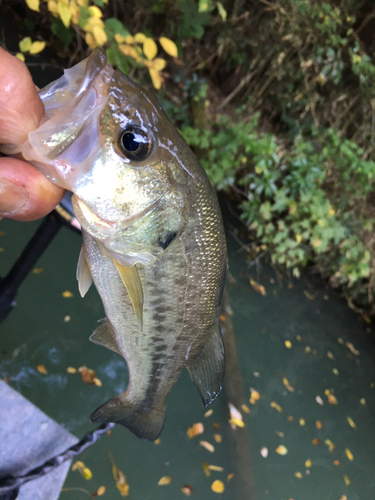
{"x": 109, "y": 141}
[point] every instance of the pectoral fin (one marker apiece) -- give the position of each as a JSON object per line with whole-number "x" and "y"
{"x": 103, "y": 335}
{"x": 207, "y": 369}
{"x": 83, "y": 274}
{"x": 130, "y": 278}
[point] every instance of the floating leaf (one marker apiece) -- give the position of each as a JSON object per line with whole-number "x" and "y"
{"x": 163, "y": 481}
{"x": 346, "y": 479}
{"x": 288, "y": 344}
{"x": 157, "y": 441}
{"x": 25, "y": 44}
{"x": 37, "y": 47}
{"x": 216, "y": 468}
{"x": 351, "y": 422}
{"x": 150, "y": 49}
{"x": 349, "y": 454}
{"x": 88, "y": 375}
{"x": 302, "y": 422}
{"x": 264, "y": 452}
{"x": 308, "y": 463}
{"x": 206, "y": 469}
{"x": 287, "y": 385}
{"x": 187, "y": 490}
{"x": 209, "y": 447}
{"x": 276, "y": 406}
{"x": 254, "y": 396}
{"x": 195, "y": 430}
{"x": 70, "y": 369}
{"x": 318, "y": 424}
{"x": 82, "y": 469}
{"x": 33, "y": 4}
{"x": 208, "y": 413}
{"x": 67, "y": 294}
{"x": 42, "y": 369}
{"x": 298, "y": 474}
{"x": 245, "y": 408}
{"x": 99, "y": 492}
{"x": 257, "y": 287}
{"x": 281, "y": 450}
{"x": 169, "y": 46}
{"x": 37, "y": 270}
{"x": 218, "y": 438}
{"x": 119, "y": 477}
{"x": 217, "y": 486}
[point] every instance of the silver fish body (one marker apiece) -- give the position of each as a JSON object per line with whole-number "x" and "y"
{"x": 153, "y": 237}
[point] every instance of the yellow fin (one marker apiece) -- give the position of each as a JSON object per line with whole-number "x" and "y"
{"x": 83, "y": 274}
{"x": 132, "y": 281}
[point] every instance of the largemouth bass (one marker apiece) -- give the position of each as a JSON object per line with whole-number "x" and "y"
{"x": 153, "y": 237}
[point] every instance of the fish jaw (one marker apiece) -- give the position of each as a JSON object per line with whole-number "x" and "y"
{"x": 61, "y": 147}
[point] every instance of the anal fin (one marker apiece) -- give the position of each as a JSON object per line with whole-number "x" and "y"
{"x": 132, "y": 281}
{"x": 104, "y": 336}
{"x": 207, "y": 369}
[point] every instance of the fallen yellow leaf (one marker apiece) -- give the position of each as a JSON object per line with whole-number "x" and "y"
{"x": 163, "y": 481}
{"x": 298, "y": 474}
{"x": 119, "y": 477}
{"x": 66, "y": 294}
{"x": 42, "y": 369}
{"x": 281, "y": 450}
{"x": 349, "y": 454}
{"x": 276, "y": 406}
{"x": 195, "y": 430}
{"x": 351, "y": 422}
{"x": 82, "y": 469}
{"x": 209, "y": 447}
{"x": 217, "y": 486}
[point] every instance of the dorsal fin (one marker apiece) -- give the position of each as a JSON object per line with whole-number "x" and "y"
{"x": 83, "y": 273}
{"x": 207, "y": 369}
{"x": 103, "y": 335}
{"x": 132, "y": 281}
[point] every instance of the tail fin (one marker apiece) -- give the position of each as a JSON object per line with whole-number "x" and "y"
{"x": 145, "y": 423}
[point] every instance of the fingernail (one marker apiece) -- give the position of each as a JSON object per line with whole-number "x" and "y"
{"x": 12, "y": 197}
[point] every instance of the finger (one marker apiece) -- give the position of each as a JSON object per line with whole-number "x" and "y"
{"x": 21, "y": 108}
{"x": 25, "y": 194}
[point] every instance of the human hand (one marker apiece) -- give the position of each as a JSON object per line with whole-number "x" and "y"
{"x": 25, "y": 194}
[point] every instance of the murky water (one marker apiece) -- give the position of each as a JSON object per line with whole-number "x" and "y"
{"x": 307, "y": 356}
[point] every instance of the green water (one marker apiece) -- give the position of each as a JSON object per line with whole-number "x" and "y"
{"x": 314, "y": 320}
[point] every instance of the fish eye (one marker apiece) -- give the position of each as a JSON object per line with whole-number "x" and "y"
{"x": 135, "y": 143}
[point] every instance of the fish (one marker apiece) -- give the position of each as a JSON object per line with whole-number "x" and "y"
{"x": 153, "y": 236}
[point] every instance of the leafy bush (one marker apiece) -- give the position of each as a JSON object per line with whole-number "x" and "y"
{"x": 305, "y": 205}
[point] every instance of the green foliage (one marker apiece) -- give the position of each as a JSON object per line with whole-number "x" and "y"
{"x": 288, "y": 203}
{"x": 65, "y": 35}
